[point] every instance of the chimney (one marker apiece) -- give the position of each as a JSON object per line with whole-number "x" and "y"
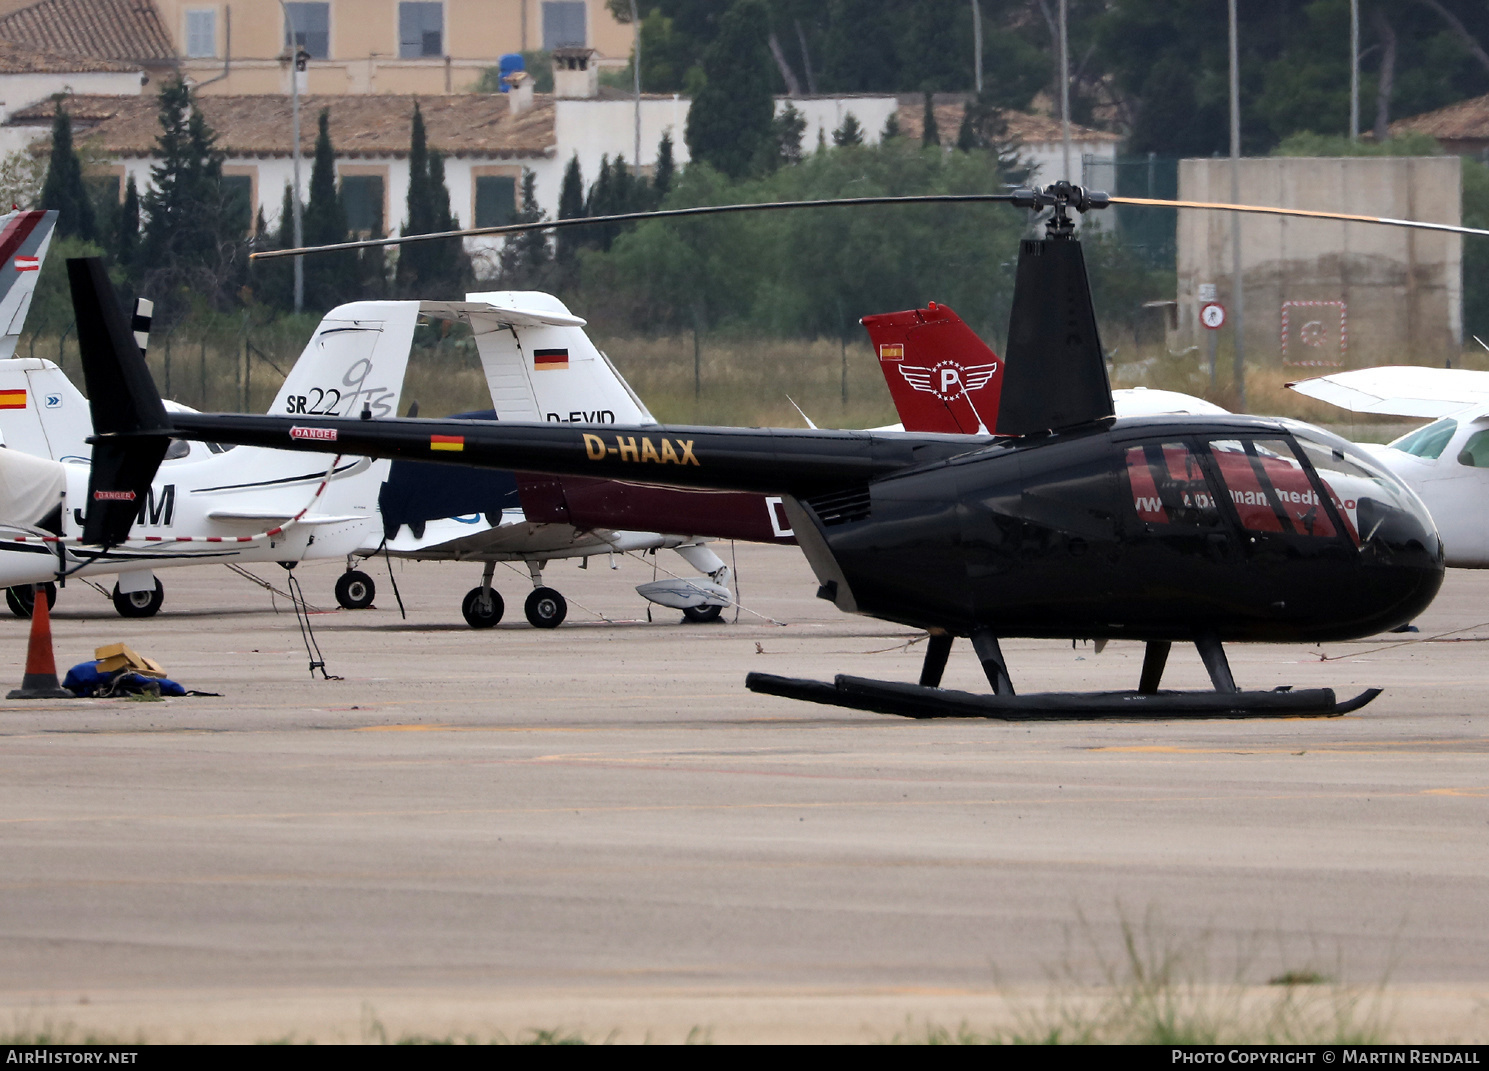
{"x": 575, "y": 74}
{"x": 519, "y": 92}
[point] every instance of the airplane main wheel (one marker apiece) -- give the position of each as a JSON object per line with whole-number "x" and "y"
{"x": 354, "y": 590}
{"x": 700, "y": 614}
{"x": 139, "y": 603}
{"x": 546, "y": 608}
{"x": 482, "y": 607}
{"x": 21, "y": 598}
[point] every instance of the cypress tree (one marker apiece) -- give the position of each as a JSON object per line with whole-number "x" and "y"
{"x": 330, "y": 278}
{"x": 891, "y": 127}
{"x": 127, "y": 227}
{"x": 413, "y": 259}
{"x": 566, "y": 242}
{"x": 448, "y": 264}
{"x": 966, "y": 137}
{"x": 929, "y": 135}
{"x": 64, "y": 189}
{"x": 731, "y": 116}
{"x": 600, "y": 202}
{"x": 661, "y": 178}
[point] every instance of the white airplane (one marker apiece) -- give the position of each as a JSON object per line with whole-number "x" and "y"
{"x": 1447, "y": 462}
{"x": 209, "y": 503}
{"x": 253, "y": 506}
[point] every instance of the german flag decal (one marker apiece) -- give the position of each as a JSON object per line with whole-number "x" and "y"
{"x": 544, "y": 360}
{"x": 12, "y": 399}
{"x": 447, "y": 442}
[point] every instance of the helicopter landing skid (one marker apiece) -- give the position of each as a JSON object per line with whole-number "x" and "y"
{"x": 919, "y": 701}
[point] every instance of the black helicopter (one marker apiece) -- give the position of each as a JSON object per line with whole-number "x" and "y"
{"x": 1064, "y": 522}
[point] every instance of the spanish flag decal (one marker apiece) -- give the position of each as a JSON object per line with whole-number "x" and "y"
{"x": 447, "y": 442}
{"x": 12, "y": 399}
{"x": 544, "y": 360}
{"x": 892, "y": 351}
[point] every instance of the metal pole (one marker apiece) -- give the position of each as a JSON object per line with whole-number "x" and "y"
{"x": 299, "y": 212}
{"x": 1237, "y": 285}
{"x": 1065, "y": 91}
{"x": 977, "y": 45}
{"x": 1354, "y": 70}
{"x": 636, "y": 22}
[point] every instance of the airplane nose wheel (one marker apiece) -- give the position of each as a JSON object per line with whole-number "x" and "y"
{"x": 700, "y": 614}
{"x": 22, "y": 598}
{"x": 482, "y": 607}
{"x": 355, "y": 590}
{"x": 546, "y": 608}
{"x": 139, "y": 603}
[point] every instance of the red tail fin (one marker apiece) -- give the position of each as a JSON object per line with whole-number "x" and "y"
{"x": 943, "y": 378}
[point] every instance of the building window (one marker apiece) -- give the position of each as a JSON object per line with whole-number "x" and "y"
{"x": 496, "y": 200}
{"x": 201, "y": 34}
{"x": 362, "y": 198}
{"x": 421, "y": 30}
{"x": 563, "y": 24}
{"x": 237, "y": 202}
{"x": 309, "y": 27}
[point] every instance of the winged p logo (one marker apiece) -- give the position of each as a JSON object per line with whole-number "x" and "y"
{"x": 948, "y": 379}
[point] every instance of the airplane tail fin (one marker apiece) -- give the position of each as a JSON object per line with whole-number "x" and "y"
{"x": 24, "y": 240}
{"x": 130, "y": 427}
{"x": 354, "y": 363}
{"x": 942, "y": 377}
{"x": 541, "y": 366}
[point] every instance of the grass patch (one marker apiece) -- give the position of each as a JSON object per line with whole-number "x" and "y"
{"x": 1157, "y": 992}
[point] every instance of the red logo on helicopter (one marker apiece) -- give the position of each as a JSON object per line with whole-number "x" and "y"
{"x": 949, "y": 380}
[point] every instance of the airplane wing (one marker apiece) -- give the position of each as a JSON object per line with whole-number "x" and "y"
{"x": 1400, "y": 390}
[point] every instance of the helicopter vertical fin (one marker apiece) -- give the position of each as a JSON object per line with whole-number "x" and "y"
{"x": 942, "y": 377}
{"x": 1056, "y": 375}
{"x": 129, "y": 420}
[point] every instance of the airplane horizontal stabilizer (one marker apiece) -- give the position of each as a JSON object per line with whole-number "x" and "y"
{"x": 1400, "y": 390}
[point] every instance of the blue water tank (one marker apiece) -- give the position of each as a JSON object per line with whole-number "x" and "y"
{"x": 509, "y": 64}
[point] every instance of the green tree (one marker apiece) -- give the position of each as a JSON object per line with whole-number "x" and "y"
{"x": 930, "y": 135}
{"x": 661, "y": 177}
{"x": 731, "y": 116}
{"x": 64, "y": 190}
{"x": 330, "y": 278}
{"x": 849, "y": 132}
{"x": 567, "y": 240}
{"x": 188, "y": 246}
{"x": 126, "y": 236}
{"x": 434, "y": 268}
{"x": 783, "y": 147}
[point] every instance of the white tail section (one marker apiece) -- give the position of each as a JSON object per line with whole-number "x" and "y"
{"x": 356, "y": 360}
{"x": 540, "y": 367}
{"x": 41, "y": 412}
{"x": 24, "y": 240}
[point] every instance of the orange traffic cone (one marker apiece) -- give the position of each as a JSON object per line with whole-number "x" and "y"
{"x": 40, "y": 681}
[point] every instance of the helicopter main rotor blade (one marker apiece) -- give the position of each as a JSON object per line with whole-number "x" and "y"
{"x": 632, "y": 217}
{"x": 1303, "y": 213}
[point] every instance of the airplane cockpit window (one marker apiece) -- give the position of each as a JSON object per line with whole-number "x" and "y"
{"x": 1168, "y": 486}
{"x": 1428, "y": 442}
{"x": 1475, "y": 452}
{"x": 1270, "y": 488}
{"x": 178, "y": 449}
{"x": 1374, "y": 504}
{"x": 221, "y": 448}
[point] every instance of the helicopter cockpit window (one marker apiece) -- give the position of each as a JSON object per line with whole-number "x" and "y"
{"x": 1372, "y": 502}
{"x": 1428, "y": 442}
{"x": 179, "y": 448}
{"x": 1270, "y": 488}
{"x": 1168, "y": 486}
{"x": 1475, "y": 452}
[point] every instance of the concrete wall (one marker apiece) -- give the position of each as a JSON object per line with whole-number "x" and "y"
{"x": 1401, "y": 290}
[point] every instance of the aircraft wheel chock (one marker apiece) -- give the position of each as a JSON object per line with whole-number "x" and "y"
{"x": 139, "y": 603}
{"x": 482, "y": 607}
{"x": 546, "y": 608}
{"x": 355, "y": 590}
{"x": 21, "y": 598}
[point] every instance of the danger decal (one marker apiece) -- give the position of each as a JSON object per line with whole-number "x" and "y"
{"x": 113, "y": 496}
{"x": 318, "y": 434}
{"x": 641, "y": 449}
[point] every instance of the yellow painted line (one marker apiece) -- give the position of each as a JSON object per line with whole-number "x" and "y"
{"x": 1479, "y": 792}
{"x": 473, "y": 729}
